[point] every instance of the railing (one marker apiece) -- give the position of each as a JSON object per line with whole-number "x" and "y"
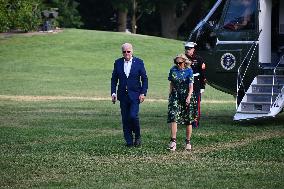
{"x": 273, "y": 81}
{"x": 241, "y": 77}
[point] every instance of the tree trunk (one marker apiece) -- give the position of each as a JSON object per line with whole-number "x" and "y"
{"x": 133, "y": 19}
{"x": 122, "y": 20}
{"x": 169, "y": 21}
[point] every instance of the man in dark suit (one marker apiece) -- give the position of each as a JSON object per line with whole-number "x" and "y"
{"x": 130, "y": 72}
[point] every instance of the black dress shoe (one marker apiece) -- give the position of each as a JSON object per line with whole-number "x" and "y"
{"x": 137, "y": 142}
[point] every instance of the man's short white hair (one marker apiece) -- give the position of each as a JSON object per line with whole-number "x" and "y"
{"x": 126, "y": 45}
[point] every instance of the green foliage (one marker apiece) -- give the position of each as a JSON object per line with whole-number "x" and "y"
{"x": 23, "y": 15}
{"x": 4, "y": 20}
{"x": 121, "y": 5}
{"x": 68, "y": 15}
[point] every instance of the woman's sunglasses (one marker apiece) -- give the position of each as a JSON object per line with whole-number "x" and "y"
{"x": 126, "y": 52}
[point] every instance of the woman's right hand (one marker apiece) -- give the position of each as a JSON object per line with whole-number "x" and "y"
{"x": 188, "y": 100}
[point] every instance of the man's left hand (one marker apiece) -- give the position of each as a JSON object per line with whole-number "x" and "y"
{"x": 141, "y": 98}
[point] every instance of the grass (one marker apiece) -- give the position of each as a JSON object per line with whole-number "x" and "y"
{"x": 79, "y": 63}
{"x": 75, "y": 144}
{"x": 79, "y": 144}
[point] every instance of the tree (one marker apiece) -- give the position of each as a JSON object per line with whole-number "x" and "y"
{"x": 98, "y": 14}
{"x": 122, "y": 7}
{"x": 138, "y": 9}
{"x": 68, "y": 15}
{"x": 23, "y": 15}
{"x": 167, "y": 18}
{"x": 130, "y": 8}
{"x": 134, "y": 19}
{"x": 4, "y": 16}
{"x": 171, "y": 19}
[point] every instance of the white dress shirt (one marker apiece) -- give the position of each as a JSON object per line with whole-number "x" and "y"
{"x": 127, "y": 67}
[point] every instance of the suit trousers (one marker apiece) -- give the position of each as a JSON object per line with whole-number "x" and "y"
{"x": 130, "y": 119}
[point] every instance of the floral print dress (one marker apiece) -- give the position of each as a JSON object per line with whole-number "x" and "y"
{"x": 178, "y": 111}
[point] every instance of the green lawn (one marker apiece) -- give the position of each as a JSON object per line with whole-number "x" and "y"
{"x": 79, "y": 63}
{"x": 78, "y": 143}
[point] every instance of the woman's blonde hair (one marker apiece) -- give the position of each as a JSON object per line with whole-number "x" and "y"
{"x": 185, "y": 59}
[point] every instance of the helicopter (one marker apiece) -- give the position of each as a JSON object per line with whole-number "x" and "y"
{"x": 242, "y": 44}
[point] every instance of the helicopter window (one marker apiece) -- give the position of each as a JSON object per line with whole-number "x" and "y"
{"x": 240, "y": 15}
{"x": 205, "y": 36}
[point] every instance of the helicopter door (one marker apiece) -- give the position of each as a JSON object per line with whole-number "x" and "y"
{"x": 281, "y": 29}
{"x": 265, "y": 28}
{"x": 236, "y": 34}
{"x": 278, "y": 30}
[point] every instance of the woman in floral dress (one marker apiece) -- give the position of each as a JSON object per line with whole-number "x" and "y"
{"x": 181, "y": 100}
